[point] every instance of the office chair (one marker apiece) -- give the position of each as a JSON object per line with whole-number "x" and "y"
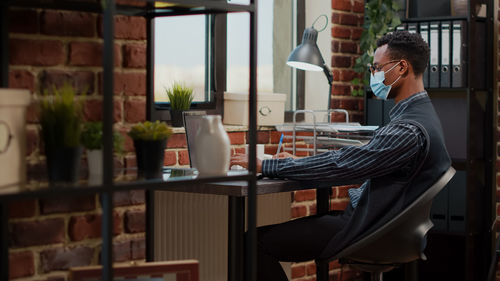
{"x": 399, "y": 241}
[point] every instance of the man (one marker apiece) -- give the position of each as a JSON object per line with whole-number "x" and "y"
{"x": 402, "y": 160}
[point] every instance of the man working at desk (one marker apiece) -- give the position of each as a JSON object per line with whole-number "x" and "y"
{"x": 402, "y": 160}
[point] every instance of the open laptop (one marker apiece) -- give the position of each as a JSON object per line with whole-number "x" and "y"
{"x": 192, "y": 121}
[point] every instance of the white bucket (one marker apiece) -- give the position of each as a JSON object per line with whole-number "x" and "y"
{"x": 13, "y": 104}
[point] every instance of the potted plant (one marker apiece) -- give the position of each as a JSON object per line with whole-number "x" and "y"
{"x": 92, "y": 141}
{"x": 150, "y": 139}
{"x": 61, "y": 121}
{"x": 180, "y": 97}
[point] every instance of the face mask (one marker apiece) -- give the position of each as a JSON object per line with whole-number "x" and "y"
{"x": 377, "y": 83}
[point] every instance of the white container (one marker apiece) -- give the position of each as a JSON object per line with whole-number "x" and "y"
{"x": 213, "y": 149}
{"x": 270, "y": 109}
{"x": 13, "y": 104}
{"x": 94, "y": 161}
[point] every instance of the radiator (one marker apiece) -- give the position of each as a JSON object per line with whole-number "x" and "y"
{"x": 195, "y": 226}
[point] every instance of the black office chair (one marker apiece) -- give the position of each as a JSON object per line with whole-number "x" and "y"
{"x": 401, "y": 240}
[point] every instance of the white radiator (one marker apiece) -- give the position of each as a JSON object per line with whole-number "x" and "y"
{"x": 195, "y": 226}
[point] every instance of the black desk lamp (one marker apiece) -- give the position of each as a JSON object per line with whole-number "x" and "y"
{"x": 308, "y": 57}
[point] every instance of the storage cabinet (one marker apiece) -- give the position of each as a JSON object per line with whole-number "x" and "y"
{"x": 108, "y": 9}
{"x": 459, "y": 81}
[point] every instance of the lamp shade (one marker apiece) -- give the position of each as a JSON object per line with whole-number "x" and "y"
{"x": 307, "y": 55}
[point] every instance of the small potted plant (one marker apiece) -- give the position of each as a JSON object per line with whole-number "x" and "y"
{"x": 180, "y": 97}
{"x": 61, "y": 122}
{"x": 150, "y": 139}
{"x": 92, "y": 141}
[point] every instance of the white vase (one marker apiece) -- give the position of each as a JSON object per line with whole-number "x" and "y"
{"x": 213, "y": 147}
{"x": 94, "y": 160}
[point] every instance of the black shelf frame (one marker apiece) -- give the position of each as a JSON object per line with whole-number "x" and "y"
{"x": 108, "y": 10}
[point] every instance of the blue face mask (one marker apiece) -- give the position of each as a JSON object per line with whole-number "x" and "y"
{"x": 377, "y": 83}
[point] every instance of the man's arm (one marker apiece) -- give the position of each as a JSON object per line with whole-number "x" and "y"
{"x": 392, "y": 147}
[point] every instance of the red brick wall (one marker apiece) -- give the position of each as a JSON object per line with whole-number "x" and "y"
{"x": 347, "y": 22}
{"x": 49, "y": 47}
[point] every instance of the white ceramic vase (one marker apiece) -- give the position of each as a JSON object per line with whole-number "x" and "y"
{"x": 94, "y": 161}
{"x": 213, "y": 147}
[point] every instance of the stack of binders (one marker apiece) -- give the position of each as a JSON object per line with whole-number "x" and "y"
{"x": 447, "y": 60}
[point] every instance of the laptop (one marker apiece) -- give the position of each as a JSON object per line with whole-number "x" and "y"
{"x": 192, "y": 121}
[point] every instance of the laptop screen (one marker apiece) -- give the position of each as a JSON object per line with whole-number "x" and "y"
{"x": 192, "y": 121}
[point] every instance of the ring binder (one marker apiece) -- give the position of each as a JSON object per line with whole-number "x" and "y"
{"x": 434, "y": 60}
{"x": 458, "y": 78}
{"x": 445, "y": 73}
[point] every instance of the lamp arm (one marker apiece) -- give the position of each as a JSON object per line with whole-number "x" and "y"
{"x": 329, "y": 76}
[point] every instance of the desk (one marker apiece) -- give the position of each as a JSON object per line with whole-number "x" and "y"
{"x": 237, "y": 191}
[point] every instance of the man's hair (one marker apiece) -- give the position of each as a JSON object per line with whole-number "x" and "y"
{"x": 402, "y": 44}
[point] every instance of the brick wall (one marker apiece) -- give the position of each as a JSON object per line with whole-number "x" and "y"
{"x": 49, "y": 47}
{"x": 347, "y": 22}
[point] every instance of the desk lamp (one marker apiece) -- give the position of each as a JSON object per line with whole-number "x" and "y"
{"x": 307, "y": 56}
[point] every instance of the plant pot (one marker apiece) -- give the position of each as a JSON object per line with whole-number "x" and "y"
{"x": 63, "y": 163}
{"x": 94, "y": 161}
{"x": 176, "y": 118}
{"x": 150, "y": 155}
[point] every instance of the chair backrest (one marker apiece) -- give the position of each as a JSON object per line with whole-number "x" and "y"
{"x": 182, "y": 270}
{"x": 402, "y": 239}
{"x": 192, "y": 120}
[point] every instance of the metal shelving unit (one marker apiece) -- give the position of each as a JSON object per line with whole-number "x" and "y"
{"x": 148, "y": 9}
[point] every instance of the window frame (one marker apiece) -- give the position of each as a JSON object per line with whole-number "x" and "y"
{"x": 217, "y": 59}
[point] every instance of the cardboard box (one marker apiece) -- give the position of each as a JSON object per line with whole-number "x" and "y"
{"x": 270, "y": 109}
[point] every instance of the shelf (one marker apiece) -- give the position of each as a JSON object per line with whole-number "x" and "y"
{"x": 149, "y": 8}
{"x": 425, "y": 19}
{"x": 188, "y": 181}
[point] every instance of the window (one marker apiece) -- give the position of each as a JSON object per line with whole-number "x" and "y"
{"x": 196, "y": 51}
{"x": 274, "y": 44}
{"x": 182, "y": 55}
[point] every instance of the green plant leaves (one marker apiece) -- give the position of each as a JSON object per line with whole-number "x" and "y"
{"x": 92, "y": 137}
{"x": 150, "y": 131}
{"x": 180, "y": 96}
{"x": 61, "y": 117}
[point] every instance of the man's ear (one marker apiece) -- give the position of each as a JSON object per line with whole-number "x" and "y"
{"x": 404, "y": 68}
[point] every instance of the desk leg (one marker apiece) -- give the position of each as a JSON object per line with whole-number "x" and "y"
{"x": 4, "y": 241}
{"x": 236, "y": 241}
{"x": 322, "y": 206}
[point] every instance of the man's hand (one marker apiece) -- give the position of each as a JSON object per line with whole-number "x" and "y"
{"x": 242, "y": 160}
{"x": 282, "y": 155}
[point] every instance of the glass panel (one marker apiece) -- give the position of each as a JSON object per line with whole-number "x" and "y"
{"x": 180, "y": 55}
{"x": 273, "y": 47}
